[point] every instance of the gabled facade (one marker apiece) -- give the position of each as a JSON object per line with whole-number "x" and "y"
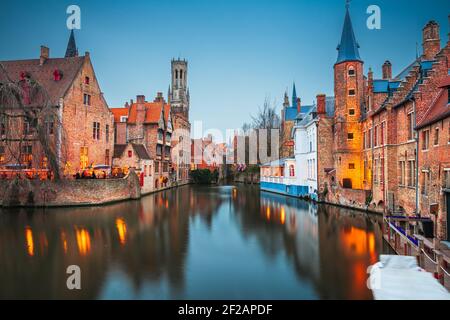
{"x": 149, "y": 124}
{"x": 86, "y": 137}
{"x": 310, "y": 129}
{"x": 135, "y": 156}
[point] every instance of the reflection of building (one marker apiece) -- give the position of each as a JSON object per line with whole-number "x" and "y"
{"x": 72, "y": 88}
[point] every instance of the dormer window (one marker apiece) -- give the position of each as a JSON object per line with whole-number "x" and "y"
{"x": 351, "y": 71}
{"x": 86, "y": 80}
{"x": 57, "y": 75}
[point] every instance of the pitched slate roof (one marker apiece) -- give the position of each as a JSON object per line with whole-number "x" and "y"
{"x": 438, "y": 110}
{"x": 118, "y": 150}
{"x": 139, "y": 150}
{"x": 348, "y": 47}
{"x": 44, "y": 74}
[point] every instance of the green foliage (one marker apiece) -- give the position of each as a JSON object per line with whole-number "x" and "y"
{"x": 202, "y": 176}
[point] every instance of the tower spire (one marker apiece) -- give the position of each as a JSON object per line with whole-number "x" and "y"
{"x": 348, "y": 47}
{"x": 294, "y": 96}
{"x": 71, "y": 50}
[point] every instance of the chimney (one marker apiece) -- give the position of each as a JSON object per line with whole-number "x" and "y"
{"x": 299, "y": 105}
{"x": 127, "y": 105}
{"x": 140, "y": 99}
{"x": 131, "y": 102}
{"x": 387, "y": 70}
{"x": 45, "y": 53}
{"x": 159, "y": 97}
{"x": 431, "y": 41}
{"x": 321, "y": 109}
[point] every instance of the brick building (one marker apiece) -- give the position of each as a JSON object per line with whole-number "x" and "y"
{"x": 377, "y": 162}
{"x": 135, "y": 156}
{"x": 149, "y": 124}
{"x": 289, "y": 113}
{"x": 82, "y": 114}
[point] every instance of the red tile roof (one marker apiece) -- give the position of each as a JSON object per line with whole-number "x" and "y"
{"x": 119, "y": 112}
{"x": 439, "y": 109}
{"x": 43, "y": 74}
{"x": 152, "y": 112}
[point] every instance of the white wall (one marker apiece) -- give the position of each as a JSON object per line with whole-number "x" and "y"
{"x": 305, "y": 138}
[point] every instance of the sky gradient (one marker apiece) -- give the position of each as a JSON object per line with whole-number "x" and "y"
{"x": 239, "y": 51}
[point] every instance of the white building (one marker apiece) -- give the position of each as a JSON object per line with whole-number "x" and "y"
{"x": 305, "y": 139}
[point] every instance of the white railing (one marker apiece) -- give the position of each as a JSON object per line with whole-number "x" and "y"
{"x": 280, "y": 180}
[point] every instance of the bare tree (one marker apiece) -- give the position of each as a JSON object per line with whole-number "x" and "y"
{"x": 30, "y": 126}
{"x": 267, "y": 117}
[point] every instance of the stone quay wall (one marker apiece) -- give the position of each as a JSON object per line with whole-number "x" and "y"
{"x": 36, "y": 193}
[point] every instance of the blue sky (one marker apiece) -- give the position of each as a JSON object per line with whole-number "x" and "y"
{"x": 239, "y": 51}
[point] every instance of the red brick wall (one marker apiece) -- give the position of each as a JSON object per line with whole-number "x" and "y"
{"x": 78, "y": 121}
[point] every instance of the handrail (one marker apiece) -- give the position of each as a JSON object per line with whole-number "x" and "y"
{"x": 396, "y": 229}
{"x": 429, "y": 258}
{"x": 445, "y": 271}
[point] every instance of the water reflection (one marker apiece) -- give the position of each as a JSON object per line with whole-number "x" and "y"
{"x": 193, "y": 242}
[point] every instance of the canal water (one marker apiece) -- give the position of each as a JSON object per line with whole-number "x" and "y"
{"x": 224, "y": 242}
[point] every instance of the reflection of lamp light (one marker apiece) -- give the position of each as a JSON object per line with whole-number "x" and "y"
{"x": 282, "y": 216}
{"x": 64, "y": 241}
{"x": 30, "y": 242}
{"x": 83, "y": 241}
{"x": 268, "y": 213}
{"x": 122, "y": 230}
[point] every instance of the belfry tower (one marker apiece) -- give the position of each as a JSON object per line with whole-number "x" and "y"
{"x": 179, "y": 91}
{"x": 349, "y": 99}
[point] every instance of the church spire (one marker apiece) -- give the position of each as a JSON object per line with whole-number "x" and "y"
{"x": 294, "y": 96}
{"x": 71, "y": 50}
{"x": 348, "y": 48}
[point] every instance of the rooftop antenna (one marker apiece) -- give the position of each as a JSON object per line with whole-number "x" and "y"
{"x": 347, "y": 4}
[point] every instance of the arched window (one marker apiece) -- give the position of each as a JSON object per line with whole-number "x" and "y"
{"x": 181, "y": 74}
{"x": 291, "y": 170}
{"x": 176, "y": 74}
